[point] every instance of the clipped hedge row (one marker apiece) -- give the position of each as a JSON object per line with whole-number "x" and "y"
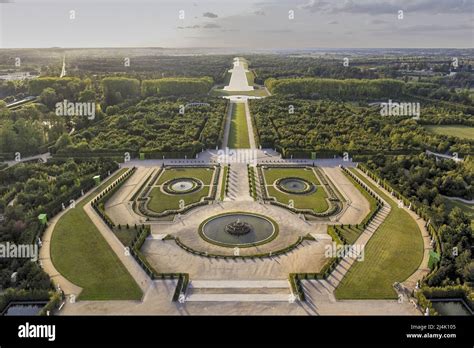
{"x": 148, "y": 181}
{"x": 295, "y": 278}
{"x": 98, "y": 203}
{"x": 142, "y": 204}
{"x": 225, "y": 182}
{"x": 336, "y": 236}
{"x": 11, "y": 295}
{"x": 252, "y": 184}
{"x": 259, "y": 255}
{"x": 137, "y": 243}
{"x": 335, "y": 203}
{"x": 296, "y": 286}
{"x": 450, "y": 292}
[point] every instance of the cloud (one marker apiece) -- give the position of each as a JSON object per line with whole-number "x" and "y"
{"x": 374, "y": 7}
{"x": 205, "y": 26}
{"x": 370, "y": 8}
{"x": 190, "y": 27}
{"x": 275, "y": 31}
{"x": 314, "y": 6}
{"x": 377, "y": 21}
{"x": 419, "y": 28}
{"x": 211, "y": 26}
{"x": 209, "y": 15}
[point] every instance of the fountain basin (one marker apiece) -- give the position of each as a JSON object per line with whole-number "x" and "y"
{"x": 180, "y": 186}
{"x": 239, "y": 229}
{"x": 294, "y": 185}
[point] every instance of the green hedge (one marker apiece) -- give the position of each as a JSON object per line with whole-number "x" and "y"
{"x": 455, "y": 291}
{"x": 11, "y": 295}
{"x": 98, "y": 203}
{"x": 348, "y": 89}
{"x": 176, "y": 86}
{"x": 137, "y": 243}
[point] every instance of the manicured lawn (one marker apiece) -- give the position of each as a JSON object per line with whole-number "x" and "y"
{"x": 239, "y": 133}
{"x": 273, "y": 174}
{"x": 459, "y": 131}
{"x": 392, "y": 254}
{"x": 83, "y": 256}
{"x": 160, "y": 202}
{"x": 315, "y": 201}
{"x": 468, "y": 209}
{"x": 203, "y": 174}
{"x": 250, "y": 78}
{"x": 126, "y": 236}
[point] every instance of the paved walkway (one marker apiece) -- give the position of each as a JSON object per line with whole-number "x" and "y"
{"x": 462, "y": 200}
{"x": 239, "y": 189}
{"x": 119, "y": 207}
{"x": 357, "y": 207}
{"x": 157, "y": 301}
{"x": 43, "y": 157}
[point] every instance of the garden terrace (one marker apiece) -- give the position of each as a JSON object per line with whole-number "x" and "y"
{"x": 161, "y": 197}
{"x": 315, "y": 198}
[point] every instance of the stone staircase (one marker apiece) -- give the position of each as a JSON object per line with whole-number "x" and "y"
{"x": 238, "y": 183}
{"x": 238, "y": 291}
{"x": 340, "y": 271}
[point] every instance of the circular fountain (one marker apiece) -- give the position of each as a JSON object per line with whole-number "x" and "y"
{"x": 238, "y": 229}
{"x": 181, "y": 186}
{"x": 294, "y": 185}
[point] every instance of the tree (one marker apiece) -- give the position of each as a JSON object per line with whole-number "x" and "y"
{"x": 48, "y": 97}
{"x": 63, "y": 142}
{"x": 87, "y": 95}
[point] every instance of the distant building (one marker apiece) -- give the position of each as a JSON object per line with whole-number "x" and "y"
{"x": 17, "y": 76}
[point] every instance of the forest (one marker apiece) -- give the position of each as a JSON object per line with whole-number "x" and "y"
{"x": 350, "y": 89}
{"x": 28, "y": 189}
{"x": 297, "y": 125}
{"x": 28, "y": 130}
{"x": 365, "y": 90}
{"x": 154, "y": 125}
{"x": 176, "y": 86}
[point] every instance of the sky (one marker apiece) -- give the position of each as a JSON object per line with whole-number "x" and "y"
{"x": 242, "y": 24}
